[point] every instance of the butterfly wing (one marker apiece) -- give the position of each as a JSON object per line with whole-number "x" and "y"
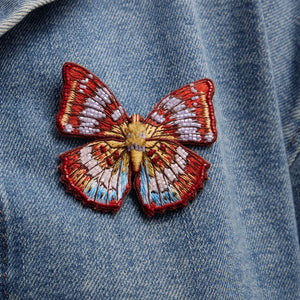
{"x": 185, "y": 115}
{"x": 98, "y": 174}
{"x": 88, "y": 108}
{"x": 170, "y": 175}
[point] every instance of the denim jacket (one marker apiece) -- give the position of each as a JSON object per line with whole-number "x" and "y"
{"x": 238, "y": 239}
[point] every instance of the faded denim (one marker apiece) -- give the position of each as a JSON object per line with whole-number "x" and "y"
{"x": 238, "y": 239}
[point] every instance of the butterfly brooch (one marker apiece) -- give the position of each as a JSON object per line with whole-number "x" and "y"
{"x": 166, "y": 174}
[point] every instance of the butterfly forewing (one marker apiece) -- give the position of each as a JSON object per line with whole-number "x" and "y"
{"x": 169, "y": 177}
{"x": 185, "y": 115}
{"x": 88, "y": 108}
{"x": 98, "y": 174}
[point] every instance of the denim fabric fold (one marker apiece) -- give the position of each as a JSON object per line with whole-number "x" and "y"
{"x": 13, "y": 11}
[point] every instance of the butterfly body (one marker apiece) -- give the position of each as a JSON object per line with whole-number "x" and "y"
{"x": 166, "y": 174}
{"x": 136, "y": 141}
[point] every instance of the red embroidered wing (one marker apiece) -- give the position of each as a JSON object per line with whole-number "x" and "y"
{"x": 98, "y": 174}
{"x": 185, "y": 115}
{"x": 88, "y": 107}
{"x": 169, "y": 177}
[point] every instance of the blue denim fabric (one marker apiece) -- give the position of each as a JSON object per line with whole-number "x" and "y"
{"x": 238, "y": 239}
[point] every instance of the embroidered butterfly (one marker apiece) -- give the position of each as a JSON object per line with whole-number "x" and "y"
{"x": 166, "y": 174}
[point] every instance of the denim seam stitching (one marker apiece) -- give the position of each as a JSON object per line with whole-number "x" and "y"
{"x": 4, "y": 253}
{"x": 271, "y": 64}
{"x": 293, "y": 139}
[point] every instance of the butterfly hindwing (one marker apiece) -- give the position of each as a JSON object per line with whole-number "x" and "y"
{"x": 88, "y": 108}
{"x": 169, "y": 177}
{"x": 185, "y": 115}
{"x": 98, "y": 174}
